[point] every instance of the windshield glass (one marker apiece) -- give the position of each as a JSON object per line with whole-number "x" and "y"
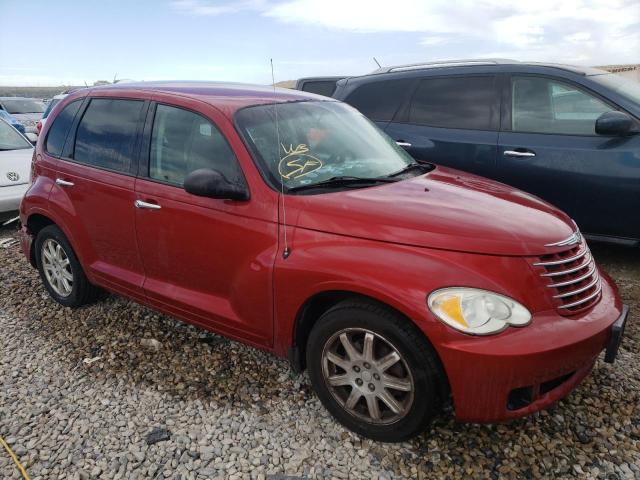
{"x": 10, "y": 139}
{"x": 623, "y": 86}
{"x": 318, "y": 141}
{"x": 52, "y": 103}
{"x": 23, "y": 105}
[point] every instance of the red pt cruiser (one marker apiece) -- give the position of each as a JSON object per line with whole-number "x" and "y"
{"x": 291, "y": 223}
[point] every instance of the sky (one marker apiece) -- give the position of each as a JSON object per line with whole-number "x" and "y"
{"x": 73, "y": 42}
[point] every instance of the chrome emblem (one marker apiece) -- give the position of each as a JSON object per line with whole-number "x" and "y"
{"x": 13, "y": 176}
{"x": 572, "y": 240}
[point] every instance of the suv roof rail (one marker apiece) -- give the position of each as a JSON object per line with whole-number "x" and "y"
{"x": 444, "y": 63}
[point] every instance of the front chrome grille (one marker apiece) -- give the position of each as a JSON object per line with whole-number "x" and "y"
{"x": 572, "y": 278}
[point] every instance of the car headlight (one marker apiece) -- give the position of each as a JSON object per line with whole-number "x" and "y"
{"x": 475, "y": 311}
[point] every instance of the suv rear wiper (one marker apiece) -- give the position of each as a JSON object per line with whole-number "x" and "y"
{"x": 341, "y": 182}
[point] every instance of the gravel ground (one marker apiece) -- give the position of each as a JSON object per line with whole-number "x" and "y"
{"x": 218, "y": 409}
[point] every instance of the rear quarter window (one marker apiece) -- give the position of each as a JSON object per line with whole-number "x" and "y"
{"x": 60, "y": 128}
{"x": 380, "y": 100}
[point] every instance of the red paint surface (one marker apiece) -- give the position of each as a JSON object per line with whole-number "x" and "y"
{"x": 219, "y": 263}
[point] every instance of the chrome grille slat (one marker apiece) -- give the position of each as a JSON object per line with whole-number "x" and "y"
{"x": 579, "y": 290}
{"x": 591, "y": 271}
{"x": 571, "y": 277}
{"x": 585, "y": 299}
{"x": 570, "y": 270}
{"x": 564, "y": 260}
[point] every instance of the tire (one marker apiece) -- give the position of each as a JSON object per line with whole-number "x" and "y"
{"x": 77, "y": 290}
{"x": 417, "y": 369}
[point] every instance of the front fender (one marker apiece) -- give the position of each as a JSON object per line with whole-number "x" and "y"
{"x": 397, "y": 275}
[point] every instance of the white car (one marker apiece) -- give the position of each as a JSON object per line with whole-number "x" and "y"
{"x": 26, "y": 110}
{"x": 15, "y": 168}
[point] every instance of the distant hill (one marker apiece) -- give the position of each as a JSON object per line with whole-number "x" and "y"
{"x": 286, "y": 84}
{"x": 34, "y": 92}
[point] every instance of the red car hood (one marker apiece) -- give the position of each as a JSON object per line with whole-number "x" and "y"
{"x": 444, "y": 209}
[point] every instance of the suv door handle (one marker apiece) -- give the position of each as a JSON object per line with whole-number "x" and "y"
{"x": 150, "y": 206}
{"x": 64, "y": 183}
{"x": 403, "y": 144}
{"x": 518, "y": 153}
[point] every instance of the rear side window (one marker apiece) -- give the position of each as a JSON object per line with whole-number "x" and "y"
{"x": 456, "y": 102}
{"x": 542, "y": 105}
{"x": 107, "y": 133}
{"x": 60, "y": 128}
{"x": 320, "y": 87}
{"x": 183, "y": 141}
{"x": 380, "y": 100}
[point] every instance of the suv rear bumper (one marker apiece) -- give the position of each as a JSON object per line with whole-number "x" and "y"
{"x": 524, "y": 370}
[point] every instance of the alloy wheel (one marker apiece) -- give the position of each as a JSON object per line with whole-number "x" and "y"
{"x": 57, "y": 267}
{"x": 367, "y": 375}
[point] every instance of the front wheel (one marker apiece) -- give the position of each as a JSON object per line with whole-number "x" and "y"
{"x": 374, "y": 371}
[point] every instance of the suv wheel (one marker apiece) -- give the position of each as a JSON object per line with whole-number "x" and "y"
{"x": 60, "y": 269}
{"x": 374, "y": 371}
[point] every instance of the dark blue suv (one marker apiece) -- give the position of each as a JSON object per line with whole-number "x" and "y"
{"x": 569, "y": 135}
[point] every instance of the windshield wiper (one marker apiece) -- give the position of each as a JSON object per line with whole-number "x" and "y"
{"x": 342, "y": 181}
{"x": 411, "y": 166}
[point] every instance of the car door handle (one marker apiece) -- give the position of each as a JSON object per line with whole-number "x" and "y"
{"x": 518, "y": 153}
{"x": 403, "y": 144}
{"x": 150, "y": 206}
{"x": 64, "y": 183}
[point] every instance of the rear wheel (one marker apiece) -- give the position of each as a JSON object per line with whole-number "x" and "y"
{"x": 374, "y": 371}
{"x": 60, "y": 269}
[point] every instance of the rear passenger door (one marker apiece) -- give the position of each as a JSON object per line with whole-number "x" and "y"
{"x": 548, "y": 146}
{"x": 94, "y": 188}
{"x": 207, "y": 260}
{"x": 452, "y": 121}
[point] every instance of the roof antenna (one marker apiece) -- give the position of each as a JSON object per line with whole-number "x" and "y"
{"x": 286, "y": 251}
{"x": 377, "y": 62}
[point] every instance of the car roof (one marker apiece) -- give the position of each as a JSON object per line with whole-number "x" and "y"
{"x": 226, "y": 96}
{"x": 482, "y": 62}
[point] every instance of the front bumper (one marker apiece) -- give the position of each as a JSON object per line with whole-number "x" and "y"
{"x": 524, "y": 370}
{"x": 10, "y": 197}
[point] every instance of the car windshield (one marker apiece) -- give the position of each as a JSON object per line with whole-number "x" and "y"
{"x": 52, "y": 103}
{"x": 10, "y": 139}
{"x": 318, "y": 141}
{"x": 23, "y": 105}
{"x": 623, "y": 86}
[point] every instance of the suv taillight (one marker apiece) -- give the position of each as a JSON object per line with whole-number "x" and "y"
{"x": 32, "y": 173}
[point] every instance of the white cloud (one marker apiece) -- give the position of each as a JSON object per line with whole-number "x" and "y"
{"x": 555, "y": 30}
{"x": 579, "y": 31}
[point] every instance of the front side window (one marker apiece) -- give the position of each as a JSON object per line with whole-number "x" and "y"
{"x": 465, "y": 102}
{"x": 10, "y": 139}
{"x": 183, "y": 141}
{"x": 317, "y": 141}
{"x": 107, "y": 133}
{"x": 543, "y": 105}
{"x": 60, "y": 127}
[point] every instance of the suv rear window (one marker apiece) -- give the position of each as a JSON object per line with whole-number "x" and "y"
{"x": 456, "y": 102}
{"x": 107, "y": 133}
{"x": 320, "y": 87}
{"x": 60, "y": 128}
{"x": 379, "y": 100}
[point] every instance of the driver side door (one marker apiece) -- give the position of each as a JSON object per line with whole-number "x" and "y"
{"x": 548, "y": 146}
{"x": 206, "y": 260}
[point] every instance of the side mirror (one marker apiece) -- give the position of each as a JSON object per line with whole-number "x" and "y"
{"x": 32, "y": 137}
{"x": 614, "y": 124}
{"x": 206, "y": 182}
